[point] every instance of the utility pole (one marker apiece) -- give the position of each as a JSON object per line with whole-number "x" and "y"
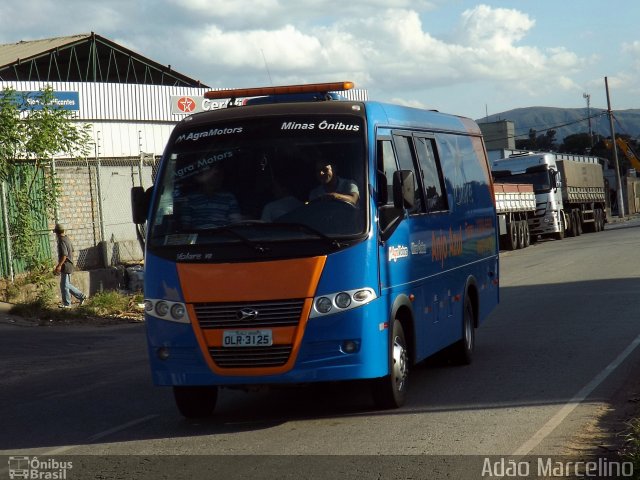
{"x": 615, "y": 153}
{"x": 588, "y": 97}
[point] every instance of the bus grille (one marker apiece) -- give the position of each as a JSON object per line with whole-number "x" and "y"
{"x": 248, "y": 357}
{"x": 278, "y": 313}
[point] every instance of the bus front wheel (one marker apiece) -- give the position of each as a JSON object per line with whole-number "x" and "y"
{"x": 196, "y": 402}
{"x": 391, "y": 391}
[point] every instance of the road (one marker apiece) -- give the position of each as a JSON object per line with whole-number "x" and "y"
{"x": 562, "y": 342}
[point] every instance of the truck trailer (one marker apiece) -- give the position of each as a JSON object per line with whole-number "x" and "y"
{"x": 569, "y": 189}
{"x": 515, "y": 204}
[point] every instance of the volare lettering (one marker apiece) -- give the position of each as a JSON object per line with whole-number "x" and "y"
{"x": 188, "y": 256}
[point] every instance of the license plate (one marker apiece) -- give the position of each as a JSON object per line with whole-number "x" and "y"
{"x": 247, "y": 338}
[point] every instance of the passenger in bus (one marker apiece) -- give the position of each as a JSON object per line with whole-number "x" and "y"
{"x": 284, "y": 203}
{"x": 208, "y": 205}
{"x": 333, "y": 187}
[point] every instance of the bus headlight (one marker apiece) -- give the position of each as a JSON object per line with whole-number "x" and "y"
{"x": 323, "y": 305}
{"x": 341, "y": 301}
{"x": 167, "y": 310}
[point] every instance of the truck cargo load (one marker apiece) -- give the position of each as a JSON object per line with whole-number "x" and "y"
{"x": 514, "y": 204}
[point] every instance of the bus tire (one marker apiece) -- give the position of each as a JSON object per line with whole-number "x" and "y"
{"x": 390, "y": 391}
{"x": 462, "y": 351}
{"x": 196, "y": 402}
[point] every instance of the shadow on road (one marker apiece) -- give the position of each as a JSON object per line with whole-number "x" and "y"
{"x": 66, "y": 386}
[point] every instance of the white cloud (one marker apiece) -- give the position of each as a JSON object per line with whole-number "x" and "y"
{"x": 387, "y": 50}
{"x": 397, "y": 48}
{"x": 498, "y": 27}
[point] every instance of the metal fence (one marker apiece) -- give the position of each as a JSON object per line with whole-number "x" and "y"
{"x": 94, "y": 205}
{"x": 10, "y": 264}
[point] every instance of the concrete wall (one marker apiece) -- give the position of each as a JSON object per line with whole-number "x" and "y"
{"x": 498, "y": 135}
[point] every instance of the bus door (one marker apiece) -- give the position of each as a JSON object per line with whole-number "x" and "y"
{"x": 408, "y": 265}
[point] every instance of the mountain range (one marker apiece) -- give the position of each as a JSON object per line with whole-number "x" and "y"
{"x": 568, "y": 121}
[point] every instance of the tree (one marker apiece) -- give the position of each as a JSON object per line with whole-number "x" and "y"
{"x": 544, "y": 142}
{"x": 33, "y": 130}
{"x": 578, "y": 143}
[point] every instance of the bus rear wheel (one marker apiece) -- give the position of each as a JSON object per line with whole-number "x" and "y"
{"x": 391, "y": 391}
{"x": 196, "y": 402}
{"x": 462, "y": 351}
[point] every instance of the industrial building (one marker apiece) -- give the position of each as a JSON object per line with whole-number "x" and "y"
{"x": 131, "y": 103}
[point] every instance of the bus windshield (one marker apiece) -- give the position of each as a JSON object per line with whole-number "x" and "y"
{"x": 261, "y": 180}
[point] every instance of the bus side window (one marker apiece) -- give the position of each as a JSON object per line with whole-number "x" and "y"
{"x": 431, "y": 176}
{"x": 404, "y": 148}
{"x": 387, "y": 164}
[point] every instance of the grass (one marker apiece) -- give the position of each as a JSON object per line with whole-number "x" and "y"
{"x": 109, "y": 304}
{"x": 630, "y": 452}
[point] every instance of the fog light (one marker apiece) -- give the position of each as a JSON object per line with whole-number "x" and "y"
{"x": 162, "y": 353}
{"x": 350, "y": 346}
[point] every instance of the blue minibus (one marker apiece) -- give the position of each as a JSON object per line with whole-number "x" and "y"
{"x": 296, "y": 236}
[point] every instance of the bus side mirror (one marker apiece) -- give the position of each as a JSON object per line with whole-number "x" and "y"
{"x": 404, "y": 188}
{"x": 140, "y": 200}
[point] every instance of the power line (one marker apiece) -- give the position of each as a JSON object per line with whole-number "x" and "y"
{"x": 525, "y": 135}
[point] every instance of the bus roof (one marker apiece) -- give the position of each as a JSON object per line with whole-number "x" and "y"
{"x": 325, "y": 98}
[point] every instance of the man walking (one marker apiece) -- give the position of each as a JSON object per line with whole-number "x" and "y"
{"x": 64, "y": 267}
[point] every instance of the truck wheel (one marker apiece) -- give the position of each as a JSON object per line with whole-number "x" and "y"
{"x": 573, "y": 228}
{"x": 462, "y": 351}
{"x": 599, "y": 220}
{"x": 391, "y": 391}
{"x": 520, "y": 228}
{"x": 196, "y": 402}
{"x": 581, "y": 228}
{"x": 560, "y": 235}
{"x": 527, "y": 234}
{"x": 512, "y": 236}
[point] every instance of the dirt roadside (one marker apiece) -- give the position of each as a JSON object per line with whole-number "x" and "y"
{"x": 605, "y": 435}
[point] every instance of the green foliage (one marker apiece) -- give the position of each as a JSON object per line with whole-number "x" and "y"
{"x": 105, "y": 305}
{"x": 38, "y": 287}
{"x": 28, "y": 141}
{"x": 544, "y": 142}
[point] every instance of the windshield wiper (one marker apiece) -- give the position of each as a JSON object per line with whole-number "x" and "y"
{"x": 292, "y": 226}
{"x": 229, "y": 230}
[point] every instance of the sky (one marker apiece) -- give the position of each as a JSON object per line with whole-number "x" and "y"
{"x": 463, "y": 57}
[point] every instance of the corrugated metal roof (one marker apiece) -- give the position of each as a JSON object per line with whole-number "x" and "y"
{"x": 49, "y": 60}
{"x": 26, "y": 49}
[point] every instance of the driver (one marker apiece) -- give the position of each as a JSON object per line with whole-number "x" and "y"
{"x": 333, "y": 187}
